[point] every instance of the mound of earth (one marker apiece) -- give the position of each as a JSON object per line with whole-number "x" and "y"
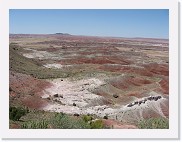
{"x": 125, "y": 82}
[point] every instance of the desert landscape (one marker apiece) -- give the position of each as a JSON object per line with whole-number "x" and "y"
{"x": 91, "y": 81}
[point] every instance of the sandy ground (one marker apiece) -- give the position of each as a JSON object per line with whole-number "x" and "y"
{"x": 69, "y": 92}
{"x": 56, "y": 66}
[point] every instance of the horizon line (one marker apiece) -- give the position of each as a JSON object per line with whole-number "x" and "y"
{"x": 67, "y": 34}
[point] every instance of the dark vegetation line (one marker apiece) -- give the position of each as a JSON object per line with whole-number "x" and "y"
{"x": 50, "y": 120}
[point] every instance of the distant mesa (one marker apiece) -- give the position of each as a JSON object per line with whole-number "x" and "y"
{"x": 62, "y": 34}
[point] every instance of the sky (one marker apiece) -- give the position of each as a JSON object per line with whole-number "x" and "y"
{"x": 153, "y": 23}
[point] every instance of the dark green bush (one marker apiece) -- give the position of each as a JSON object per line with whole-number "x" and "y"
{"x": 154, "y": 123}
{"x": 105, "y": 117}
{"x": 16, "y": 113}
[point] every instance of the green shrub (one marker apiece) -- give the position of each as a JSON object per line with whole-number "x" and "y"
{"x": 16, "y": 113}
{"x": 98, "y": 124}
{"x": 35, "y": 125}
{"x": 87, "y": 118}
{"x": 63, "y": 121}
{"x": 154, "y": 123}
{"x": 59, "y": 121}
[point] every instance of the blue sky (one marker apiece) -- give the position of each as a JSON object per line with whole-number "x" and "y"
{"x": 146, "y": 23}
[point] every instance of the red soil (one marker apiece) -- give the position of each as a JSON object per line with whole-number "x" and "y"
{"x": 26, "y": 84}
{"x": 95, "y": 60}
{"x": 136, "y": 94}
{"x": 160, "y": 69}
{"x": 34, "y": 102}
{"x": 120, "y": 84}
{"x": 117, "y": 125}
{"x": 124, "y": 69}
{"x": 14, "y": 126}
{"x": 128, "y": 81}
{"x": 27, "y": 89}
{"x": 164, "y": 83}
{"x": 112, "y": 68}
{"x": 119, "y": 60}
{"x": 138, "y": 81}
{"x": 149, "y": 70}
{"x": 143, "y": 72}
